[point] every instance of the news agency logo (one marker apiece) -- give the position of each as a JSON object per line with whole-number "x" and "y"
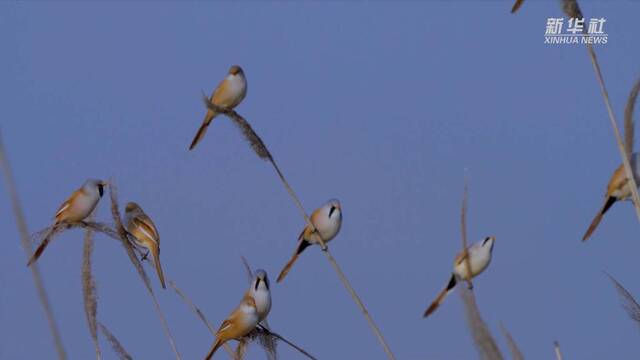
{"x": 575, "y": 32}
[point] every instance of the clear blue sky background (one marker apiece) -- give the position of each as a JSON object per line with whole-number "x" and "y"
{"x": 382, "y": 105}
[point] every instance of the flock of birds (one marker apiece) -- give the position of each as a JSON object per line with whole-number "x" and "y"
{"x": 327, "y": 220}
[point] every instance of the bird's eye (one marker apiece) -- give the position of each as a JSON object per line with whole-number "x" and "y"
{"x": 333, "y": 208}
{"x": 485, "y": 240}
{"x": 100, "y": 189}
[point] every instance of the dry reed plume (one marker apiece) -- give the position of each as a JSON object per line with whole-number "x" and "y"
{"x": 629, "y": 303}
{"x": 26, "y": 245}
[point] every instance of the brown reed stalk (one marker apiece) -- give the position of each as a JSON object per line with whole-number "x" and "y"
{"x": 516, "y": 354}
{"x": 115, "y": 212}
{"x": 26, "y": 245}
{"x": 485, "y": 343}
{"x": 115, "y": 344}
{"x": 629, "y": 303}
{"x": 572, "y": 9}
{"x": 261, "y": 150}
{"x": 89, "y": 292}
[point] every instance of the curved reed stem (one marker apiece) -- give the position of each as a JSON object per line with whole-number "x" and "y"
{"x": 89, "y": 293}
{"x": 26, "y": 245}
{"x": 262, "y": 151}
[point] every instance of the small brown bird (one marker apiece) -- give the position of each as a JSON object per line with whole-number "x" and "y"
{"x": 327, "y": 220}
{"x": 479, "y": 259}
{"x": 229, "y": 94}
{"x": 617, "y": 190}
{"x": 74, "y": 210}
{"x": 237, "y": 325}
{"x": 144, "y": 233}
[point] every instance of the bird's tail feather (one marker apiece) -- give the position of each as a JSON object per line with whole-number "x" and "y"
{"x": 302, "y": 244}
{"x": 41, "y": 247}
{"x": 203, "y": 128}
{"x": 441, "y": 296}
{"x": 596, "y": 220}
{"x": 156, "y": 262}
{"x": 214, "y": 347}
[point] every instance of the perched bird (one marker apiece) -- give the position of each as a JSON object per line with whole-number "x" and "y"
{"x": 229, "y": 93}
{"x": 261, "y": 294}
{"x": 617, "y": 190}
{"x": 479, "y": 259}
{"x": 240, "y": 323}
{"x": 144, "y": 233}
{"x": 327, "y": 220}
{"x": 74, "y": 210}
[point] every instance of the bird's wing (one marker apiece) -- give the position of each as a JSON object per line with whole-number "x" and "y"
{"x": 147, "y": 226}
{"x": 618, "y": 181}
{"x": 222, "y": 96}
{"x": 462, "y": 256}
{"x": 65, "y": 205}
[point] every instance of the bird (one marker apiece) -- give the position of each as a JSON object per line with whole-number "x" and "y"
{"x": 327, "y": 221}
{"x": 479, "y": 258}
{"x": 144, "y": 233}
{"x": 617, "y": 190}
{"x": 239, "y": 323}
{"x": 229, "y": 94}
{"x": 74, "y": 210}
{"x": 261, "y": 294}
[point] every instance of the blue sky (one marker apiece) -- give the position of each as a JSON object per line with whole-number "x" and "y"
{"x": 382, "y": 105}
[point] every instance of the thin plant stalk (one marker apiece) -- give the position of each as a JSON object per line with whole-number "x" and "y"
{"x": 115, "y": 212}
{"x": 482, "y": 338}
{"x": 89, "y": 293}
{"x": 463, "y": 230}
{"x": 261, "y": 150}
{"x": 115, "y": 344}
{"x": 516, "y": 354}
{"x": 195, "y": 309}
{"x": 26, "y": 245}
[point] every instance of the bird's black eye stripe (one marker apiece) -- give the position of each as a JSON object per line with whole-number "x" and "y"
{"x": 100, "y": 189}
{"x": 485, "y": 241}
{"x": 257, "y": 283}
{"x": 333, "y": 208}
